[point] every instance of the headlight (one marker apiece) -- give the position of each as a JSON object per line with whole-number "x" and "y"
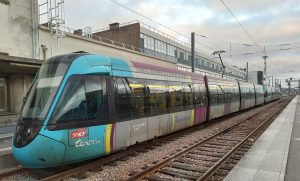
{"x": 25, "y": 132}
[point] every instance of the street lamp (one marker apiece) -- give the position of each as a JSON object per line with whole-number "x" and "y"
{"x": 219, "y": 53}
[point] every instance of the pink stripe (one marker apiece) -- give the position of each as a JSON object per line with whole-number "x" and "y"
{"x": 164, "y": 69}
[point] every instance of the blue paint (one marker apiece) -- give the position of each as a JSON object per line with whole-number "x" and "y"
{"x": 41, "y": 152}
{"x": 54, "y": 146}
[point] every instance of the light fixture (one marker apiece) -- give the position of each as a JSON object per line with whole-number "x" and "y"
{"x": 25, "y": 65}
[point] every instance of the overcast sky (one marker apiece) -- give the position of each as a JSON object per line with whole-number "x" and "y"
{"x": 271, "y": 23}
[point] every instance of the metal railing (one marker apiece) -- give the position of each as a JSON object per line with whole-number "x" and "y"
{"x": 154, "y": 54}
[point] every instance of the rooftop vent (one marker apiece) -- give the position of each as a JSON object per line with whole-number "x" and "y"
{"x": 78, "y": 32}
{"x": 115, "y": 25}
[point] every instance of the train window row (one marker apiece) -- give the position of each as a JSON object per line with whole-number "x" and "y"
{"x": 84, "y": 98}
{"x": 137, "y": 98}
{"x": 220, "y": 94}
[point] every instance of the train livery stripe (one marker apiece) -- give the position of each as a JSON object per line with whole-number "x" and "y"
{"x": 112, "y": 137}
{"x": 109, "y": 136}
{"x": 192, "y": 116}
{"x": 173, "y": 120}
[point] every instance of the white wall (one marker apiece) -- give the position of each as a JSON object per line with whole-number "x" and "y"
{"x": 16, "y": 28}
{"x": 71, "y": 43}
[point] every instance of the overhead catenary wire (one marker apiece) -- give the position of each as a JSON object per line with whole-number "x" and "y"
{"x": 150, "y": 19}
{"x": 158, "y": 23}
{"x": 249, "y": 35}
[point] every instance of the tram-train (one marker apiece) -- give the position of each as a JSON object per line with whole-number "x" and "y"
{"x": 82, "y": 106}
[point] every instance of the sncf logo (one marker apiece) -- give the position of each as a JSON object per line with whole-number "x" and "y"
{"x": 79, "y": 133}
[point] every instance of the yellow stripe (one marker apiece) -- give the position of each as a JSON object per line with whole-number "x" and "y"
{"x": 107, "y": 138}
{"x": 192, "y": 116}
{"x": 173, "y": 121}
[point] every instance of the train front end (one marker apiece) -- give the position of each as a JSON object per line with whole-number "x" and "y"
{"x": 31, "y": 147}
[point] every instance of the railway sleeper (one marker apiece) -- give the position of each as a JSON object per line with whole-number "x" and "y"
{"x": 202, "y": 157}
{"x": 221, "y": 144}
{"x": 189, "y": 168}
{"x": 209, "y": 150}
{"x": 194, "y": 162}
{"x": 178, "y": 174}
{"x": 208, "y": 153}
{"x": 210, "y": 145}
{"x": 221, "y": 172}
{"x": 157, "y": 178}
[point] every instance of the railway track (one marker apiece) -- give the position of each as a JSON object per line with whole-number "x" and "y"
{"x": 202, "y": 160}
{"x": 76, "y": 170}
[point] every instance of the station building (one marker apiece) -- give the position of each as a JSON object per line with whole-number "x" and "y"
{"x": 158, "y": 44}
{"x": 26, "y": 43}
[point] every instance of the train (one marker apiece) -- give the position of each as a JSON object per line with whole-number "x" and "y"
{"x": 82, "y": 106}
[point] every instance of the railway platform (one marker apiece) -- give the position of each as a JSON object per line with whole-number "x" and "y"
{"x": 275, "y": 155}
{"x": 7, "y": 127}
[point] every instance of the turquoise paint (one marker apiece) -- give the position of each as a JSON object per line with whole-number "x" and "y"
{"x": 41, "y": 152}
{"x": 94, "y": 144}
{"x": 54, "y": 146}
{"x": 86, "y": 148}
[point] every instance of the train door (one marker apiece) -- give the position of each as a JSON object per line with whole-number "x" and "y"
{"x": 177, "y": 118}
{"x": 200, "y": 98}
{"x": 156, "y": 105}
{"x": 139, "y": 123}
{"x": 122, "y": 112}
{"x": 3, "y": 95}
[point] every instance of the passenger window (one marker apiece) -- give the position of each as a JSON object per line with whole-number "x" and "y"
{"x": 203, "y": 95}
{"x": 157, "y": 96}
{"x": 176, "y": 98}
{"x": 72, "y": 104}
{"x": 197, "y": 95}
{"x": 188, "y": 95}
{"x": 82, "y": 100}
{"x": 94, "y": 95}
{"x": 137, "y": 97}
{"x": 122, "y": 98}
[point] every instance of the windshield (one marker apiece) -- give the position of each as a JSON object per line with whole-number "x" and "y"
{"x": 41, "y": 94}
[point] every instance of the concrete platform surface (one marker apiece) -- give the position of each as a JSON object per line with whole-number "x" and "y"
{"x": 293, "y": 164}
{"x": 267, "y": 158}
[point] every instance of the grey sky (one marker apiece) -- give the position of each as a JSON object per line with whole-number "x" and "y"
{"x": 270, "y": 22}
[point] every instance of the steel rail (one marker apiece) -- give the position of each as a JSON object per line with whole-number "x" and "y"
{"x": 163, "y": 163}
{"x": 98, "y": 163}
{"x": 217, "y": 165}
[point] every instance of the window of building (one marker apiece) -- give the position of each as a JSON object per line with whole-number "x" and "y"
{"x": 164, "y": 47}
{"x": 170, "y": 50}
{"x": 157, "y": 45}
{"x": 181, "y": 56}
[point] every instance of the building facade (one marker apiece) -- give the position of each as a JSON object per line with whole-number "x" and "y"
{"x": 18, "y": 64}
{"x": 158, "y": 44}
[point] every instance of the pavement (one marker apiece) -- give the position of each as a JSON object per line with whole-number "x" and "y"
{"x": 293, "y": 163}
{"x": 7, "y": 127}
{"x": 271, "y": 158}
